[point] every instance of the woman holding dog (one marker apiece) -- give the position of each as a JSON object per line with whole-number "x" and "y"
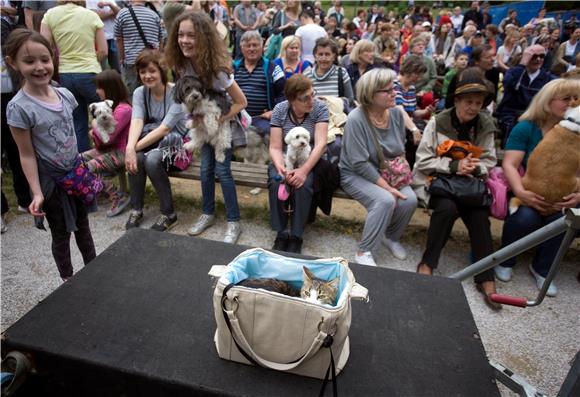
{"x": 301, "y": 109}
{"x": 194, "y": 48}
{"x": 374, "y": 132}
{"x": 465, "y": 122}
{"x": 546, "y": 110}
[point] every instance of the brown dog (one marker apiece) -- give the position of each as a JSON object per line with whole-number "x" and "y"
{"x": 554, "y": 164}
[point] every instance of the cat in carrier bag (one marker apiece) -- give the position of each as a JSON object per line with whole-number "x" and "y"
{"x": 287, "y": 314}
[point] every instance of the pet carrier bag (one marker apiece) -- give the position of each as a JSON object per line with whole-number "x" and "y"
{"x": 280, "y": 332}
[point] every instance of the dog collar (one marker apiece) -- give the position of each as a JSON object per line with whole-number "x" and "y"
{"x": 570, "y": 119}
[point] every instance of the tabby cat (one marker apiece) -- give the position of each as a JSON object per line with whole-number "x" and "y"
{"x": 313, "y": 289}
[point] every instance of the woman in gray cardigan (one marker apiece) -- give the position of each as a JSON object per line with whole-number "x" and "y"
{"x": 389, "y": 210}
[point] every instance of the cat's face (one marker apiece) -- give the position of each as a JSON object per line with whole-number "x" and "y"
{"x": 318, "y": 291}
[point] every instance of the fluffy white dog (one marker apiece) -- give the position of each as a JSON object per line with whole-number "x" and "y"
{"x": 205, "y": 108}
{"x": 298, "y": 149}
{"x": 103, "y": 113}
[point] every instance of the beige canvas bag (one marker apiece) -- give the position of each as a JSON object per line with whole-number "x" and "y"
{"x": 277, "y": 331}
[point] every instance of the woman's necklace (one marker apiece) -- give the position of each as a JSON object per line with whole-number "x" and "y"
{"x": 381, "y": 121}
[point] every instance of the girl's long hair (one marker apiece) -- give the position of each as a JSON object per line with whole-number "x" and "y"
{"x": 111, "y": 82}
{"x": 211, "y": 55}
{"x": 16, "y": 39}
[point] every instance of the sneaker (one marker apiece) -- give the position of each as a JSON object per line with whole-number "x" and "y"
{"x": 552, "y": 290}
{"x": 281, "y": 243}
{"x": 4, "y": 228}
{"x": 134, "y": 220}
{"x": 365, "y": 259}
{"x": 202, "y": 223}
{"x": 294, "y": 245}
{"x": 396, "y": 248}
{"x": 503, "y": 273}
{"x": 233, "y": 232}
{"x": 120, "y": 202}
{"x": 164, "y": 222}
{"x": 22, "y": 209}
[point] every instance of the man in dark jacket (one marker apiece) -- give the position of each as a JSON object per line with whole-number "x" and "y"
{"x": 475, "y": 15}
{"x": 521, "y": 83}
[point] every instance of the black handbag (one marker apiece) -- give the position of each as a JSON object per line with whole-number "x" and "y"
{"x": 469, "y": 191}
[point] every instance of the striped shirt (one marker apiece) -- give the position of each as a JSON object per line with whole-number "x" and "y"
{"x": 408, "y": 99}
{"x": 327, "y": 85}
{"x": 126, "y": 29}
{"x": 254, "y": 86}
{"x": 281, "y": 118}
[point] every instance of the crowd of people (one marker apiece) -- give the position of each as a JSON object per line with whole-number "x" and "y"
{"x": 380, "y": 94}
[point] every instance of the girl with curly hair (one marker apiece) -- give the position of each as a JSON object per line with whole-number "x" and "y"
{"x": 195, "y": 49}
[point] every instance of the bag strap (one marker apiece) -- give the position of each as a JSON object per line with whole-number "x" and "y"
{"x": 340, "y": 82}
{"x": 139, "y": 28}
{"x": 244, "y": 347}
{"x": 374, "y": 135}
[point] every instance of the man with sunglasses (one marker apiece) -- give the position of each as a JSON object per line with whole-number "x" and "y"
{"x": 521, "y": 83}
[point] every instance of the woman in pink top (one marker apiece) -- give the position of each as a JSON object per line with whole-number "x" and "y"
{"x": 108, "y": 155}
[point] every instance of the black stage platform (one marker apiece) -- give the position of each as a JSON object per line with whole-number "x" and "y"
{"x": 138, "y": 321}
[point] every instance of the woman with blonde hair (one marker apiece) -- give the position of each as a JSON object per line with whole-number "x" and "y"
{"x": 287, "y": 20}
{"x": 508, "y": 52}
{"x": 363, "y": 57}
{"x": 545, "y": 111}
{"x": 289, "y": 59}
{"x": 375, "y": 130}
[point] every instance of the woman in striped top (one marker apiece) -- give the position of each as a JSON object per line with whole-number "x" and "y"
{"x": 325, "y": 73}
{"x": 301, "y": 109}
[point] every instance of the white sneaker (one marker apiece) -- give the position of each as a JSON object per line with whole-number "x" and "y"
{"x": 233, "y": 232}
{"x": 552, "y": 290}
{"x": 503, "y": 273}
{"x": 365, "y": 259}
{"x": 202, "y": 223}
{"x": 4, "y": 227}
{"x": 22, "y": 209}
{"x": 396, "y": 248}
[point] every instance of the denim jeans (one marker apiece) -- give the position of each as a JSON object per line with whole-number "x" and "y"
{"x": 112, "y": 60}
{"x": 523, "y": 222}
{"x": 131, "y": 78}
{"x": 82, "y": 86}
{"x": 209, "y": 169}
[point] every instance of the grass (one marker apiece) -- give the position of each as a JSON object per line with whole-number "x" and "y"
{"x": 186, "y": 202}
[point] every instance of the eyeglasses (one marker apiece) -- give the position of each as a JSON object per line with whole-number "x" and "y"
{"x": 388, "y": 90}
{"x": 538, "y": 56}
{"x": 307, "y": 98}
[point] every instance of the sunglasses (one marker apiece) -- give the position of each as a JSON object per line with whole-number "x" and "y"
{"x": 538, "y": 56}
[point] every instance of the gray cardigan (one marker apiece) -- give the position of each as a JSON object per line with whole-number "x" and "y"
{"x": 359, "y": 155}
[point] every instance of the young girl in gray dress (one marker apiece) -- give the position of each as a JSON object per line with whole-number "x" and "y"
{"x": 40, "y": 117}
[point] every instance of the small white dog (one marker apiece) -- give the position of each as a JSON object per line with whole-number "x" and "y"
{"x": 298, "y": 149}
{"x": 103, "y": 113}
{"x": 205, "y": 108}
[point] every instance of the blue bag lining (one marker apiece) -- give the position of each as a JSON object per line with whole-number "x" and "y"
{"x": 260, "y": 264}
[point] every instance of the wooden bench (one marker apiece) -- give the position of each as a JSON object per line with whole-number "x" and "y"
{"x": 245, "y": 174}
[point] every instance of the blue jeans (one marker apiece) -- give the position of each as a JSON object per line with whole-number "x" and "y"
{"x": 209, "y": 169}
{"x": 523, "y": 222}
{"x": 82, "y": 86}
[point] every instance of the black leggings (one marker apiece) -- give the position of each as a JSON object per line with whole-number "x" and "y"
{"x": 61, "y": 237}
{"x": 476, "y": 219}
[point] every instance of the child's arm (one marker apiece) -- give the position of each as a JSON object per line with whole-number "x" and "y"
{"x": 23, "y": 140}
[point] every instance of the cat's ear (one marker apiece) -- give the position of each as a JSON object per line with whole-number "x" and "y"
{"x": 308, "y": 273}
{"x": 334, "y": 283}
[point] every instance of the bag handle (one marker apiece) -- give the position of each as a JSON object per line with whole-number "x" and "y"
{"x": 247, "y": 351}
{"x": 374, "y": 135}
{"x": 358, "y": 292}
{"x": 139, "y": 28}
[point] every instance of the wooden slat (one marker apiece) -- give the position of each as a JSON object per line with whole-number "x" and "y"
{"x": 245, "y": 174}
